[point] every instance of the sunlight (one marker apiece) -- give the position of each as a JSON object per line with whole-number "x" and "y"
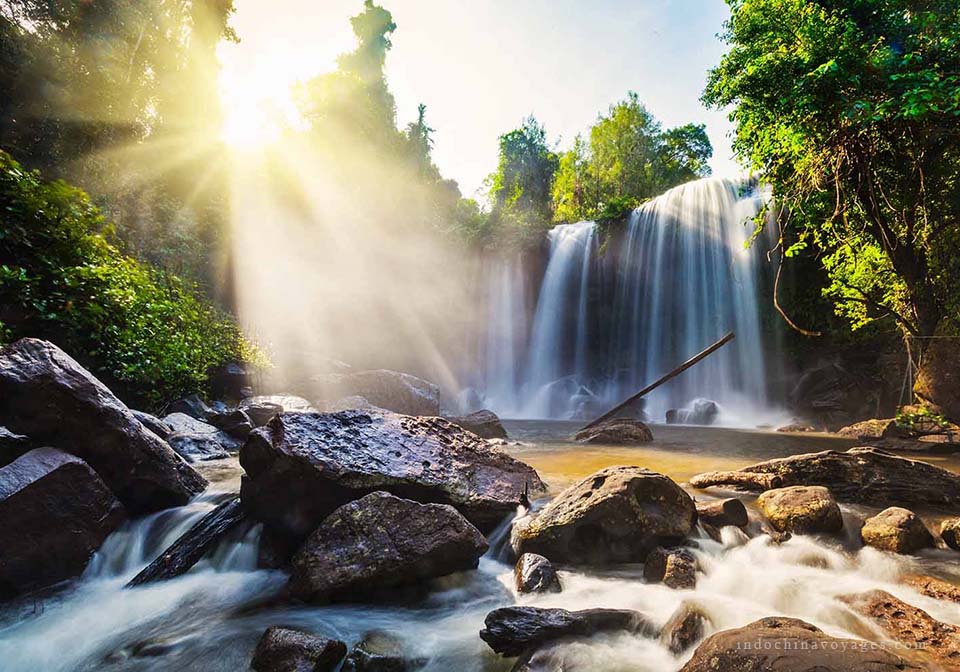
{"x": 257, "y": 107}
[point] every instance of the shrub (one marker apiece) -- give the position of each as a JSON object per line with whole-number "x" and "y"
{"x": 63, "y": 278}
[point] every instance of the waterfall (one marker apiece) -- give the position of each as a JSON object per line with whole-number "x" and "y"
{"x": 674, "y": 279}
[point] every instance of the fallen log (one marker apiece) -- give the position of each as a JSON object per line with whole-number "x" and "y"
{"x": 186, "y": 551}
{"x": 652, "y": 386}
{"x": 859, "y": 475}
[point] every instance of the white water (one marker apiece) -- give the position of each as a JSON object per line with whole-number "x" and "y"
{"x": 607, "y": 324}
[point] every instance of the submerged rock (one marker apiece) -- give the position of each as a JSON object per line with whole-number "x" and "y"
{"x": 675, "y": 568}
{"x": 618, "y": 432}
{"x": 801, "y": 510}
{"x": 511, "y": 631}
{"x": 394, "y": 391}
{"x": 55, "y": 512}
{"x": 484, "y": 424}
{"x": 896, "y": 530}
{"x": 304, "y": 465}
{"x": 381, "y": 542}
{"x": 930, "y": 586}
{"x": 379, "y": 652}
{"x": 779, "y": 644}
{"x": 702, "y": 412}
{"x": 685, "y": 628}
{"x": 723, "y": 512}
{"x": 535, "y": 574}
{"x": 618, "y": 514}
{"x": 859, "y": 475}
{"x": 46, "y": 395}
{"x": 287, "y": 650}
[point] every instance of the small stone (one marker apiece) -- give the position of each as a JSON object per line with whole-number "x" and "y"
{"x": 675, "y": 568}
{"x": 685, "y": 628}
{"x": 535, "y": 574}
{"x": 950, "y": 533}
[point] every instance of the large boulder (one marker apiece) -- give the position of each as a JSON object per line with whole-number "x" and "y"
{"x": 896, "y": 530}
{"x": 859, "y": 475}
{"x": 874, "y": 430}
{"x": 392, "y": 390}
{"x": 938, "y": 381}
{"x": 801, "y": 509}
{"x": 512, "y": 631}
{"x": 302, "y": 466}
{"x": 381, "y": 542}
{"x": 197, "y": 440}
{"x": 55, "y": 512}
{"x": 723, "y": 513}
{"x": 789, "y": 645}
{"x": 49, "y": 397}
{"x": 484, "y": 424}
{"x": 618, "y": 514}
{"x": 928, "y": 641}
{"x": 234, "y": 422}
{"x": 617, "y": 432}
{"x": 535, "y": 574}
{"x": 153, "y": 423}
{"x": 287, "y": 650}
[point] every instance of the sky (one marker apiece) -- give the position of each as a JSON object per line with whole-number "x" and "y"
{"x": 481, "y": 66}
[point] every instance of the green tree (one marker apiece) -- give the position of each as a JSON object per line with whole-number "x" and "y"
{"x": 523, "y": 180}
{"x": 851, "y": 109}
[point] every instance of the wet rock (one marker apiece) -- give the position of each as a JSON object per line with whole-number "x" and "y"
{"x": 723, "y": 512}
{"x": 264, "y": 408}
{"x": 548, "y": 659}
{"x": 859, "y": 475}
{"x": 927, "y": 640}
{"x": 12, "y": 446}
{"x": 234, "y": 422}
{"x": 55, "y": 512}
{"x": 197, "y": 447}
{"x": 702, "y": 412}
{"x": 391, "y": 390}
{"x": 535, "y": 574}
{"x": 950, "y": 533}
{"x": 797, "y": 428}
{"x": 778, "y": 644}
{"x": 896, "y": 530}
{"x": 46, "y": 395}
{"x": 511, "y": 631}
{"x": 938, "y": 381}
{"x": 871, "y": 430}
{"x": 686, "y": 627}
{"x": 153, "y": 423}
{"x": 304, "y": 465}
{"x": 674, "y": 567}
{"x": 381, "y": 542}
{"x": 229, "y": 380}
{"x": 379, "y": 652}
{"x": 484, "y": 424}
{"x": 193, "y": 406}
{"x": 930, "y": 586}
{"x": 286, "y": 650}
{"x": 801, "y": 510}
{"x": 350, "y": 404}
{"x": 618, "y": 514}
{"x": 618, "y": 432}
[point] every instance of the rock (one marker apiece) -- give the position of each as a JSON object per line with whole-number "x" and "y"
{"x": 286, "y": 650}
{"x": 379, "y": 652}
{"x": 193, "y": 406}
{"x": 153, "y": 423}
{"x": 535, "y": 574}
{"x": 933, "y": 587}
{"x": 950, "y": 533}
{"x": 618, "y": 432}
{"x": 868, "y": 430}
{"x": 685, "y": 628}
{"x": 779, "y": 644}
{"x": 263, "y": 408}
{"x": 304, "y": 465}
{"x": 511, "y": 631}
{"x": 55, "y": 512}
{"x": 938, "y": 381}
{"x": 928, "y": 640}
{"x": 229, "y": 380}
{"x": 391, "y": 390}
{"x": 618, "y": 514}
{"x": 723, "y": 512}
{"x": 197, "y": 447}
{"x": 196, "y": 542}
{"x": 797, "y": 428}
{"x": 675, "y": 567}
{"x": 702, "y": 412}
{"x": 350, "y": 404}
{"x": 484, "y": 424}
{"x": 12, "y": 446}
{"x": 235, "y": 423}
{"x": 380, "y": 542}
{"x": 896, "y": 530}
{"x": 859, "y": 475}
{"x": 801, "y": 510}
{"x": 46, "y": 395}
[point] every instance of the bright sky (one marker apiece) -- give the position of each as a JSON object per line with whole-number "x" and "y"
{"x": 480, "y": 66}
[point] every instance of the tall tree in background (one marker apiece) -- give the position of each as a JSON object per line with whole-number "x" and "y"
{"x": 524, "y": 177}
{"x": 851, "y": 109}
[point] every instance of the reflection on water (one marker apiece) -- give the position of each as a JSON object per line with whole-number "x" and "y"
{"x": 210, "y": 619}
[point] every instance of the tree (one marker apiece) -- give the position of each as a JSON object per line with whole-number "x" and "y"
{"x": 850, "y": 109}
{"x": 524, "y": 175}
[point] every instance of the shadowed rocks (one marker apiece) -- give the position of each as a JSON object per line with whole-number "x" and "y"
{"x": 287, "y": 650}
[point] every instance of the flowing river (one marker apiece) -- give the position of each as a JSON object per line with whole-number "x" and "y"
{"x": 210, "y": 619}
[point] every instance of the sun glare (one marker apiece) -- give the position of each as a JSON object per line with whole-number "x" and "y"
{"x": 256, "y": 109}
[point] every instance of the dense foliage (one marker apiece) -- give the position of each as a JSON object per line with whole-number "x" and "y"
{"x": 851, "y": 109}
{"x": 143, "y": 330}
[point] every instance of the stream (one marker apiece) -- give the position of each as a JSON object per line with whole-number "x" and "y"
{"x": 211, "y": 618}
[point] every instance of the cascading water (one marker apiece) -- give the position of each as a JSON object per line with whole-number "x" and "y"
{"x": 678, "y": 277}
